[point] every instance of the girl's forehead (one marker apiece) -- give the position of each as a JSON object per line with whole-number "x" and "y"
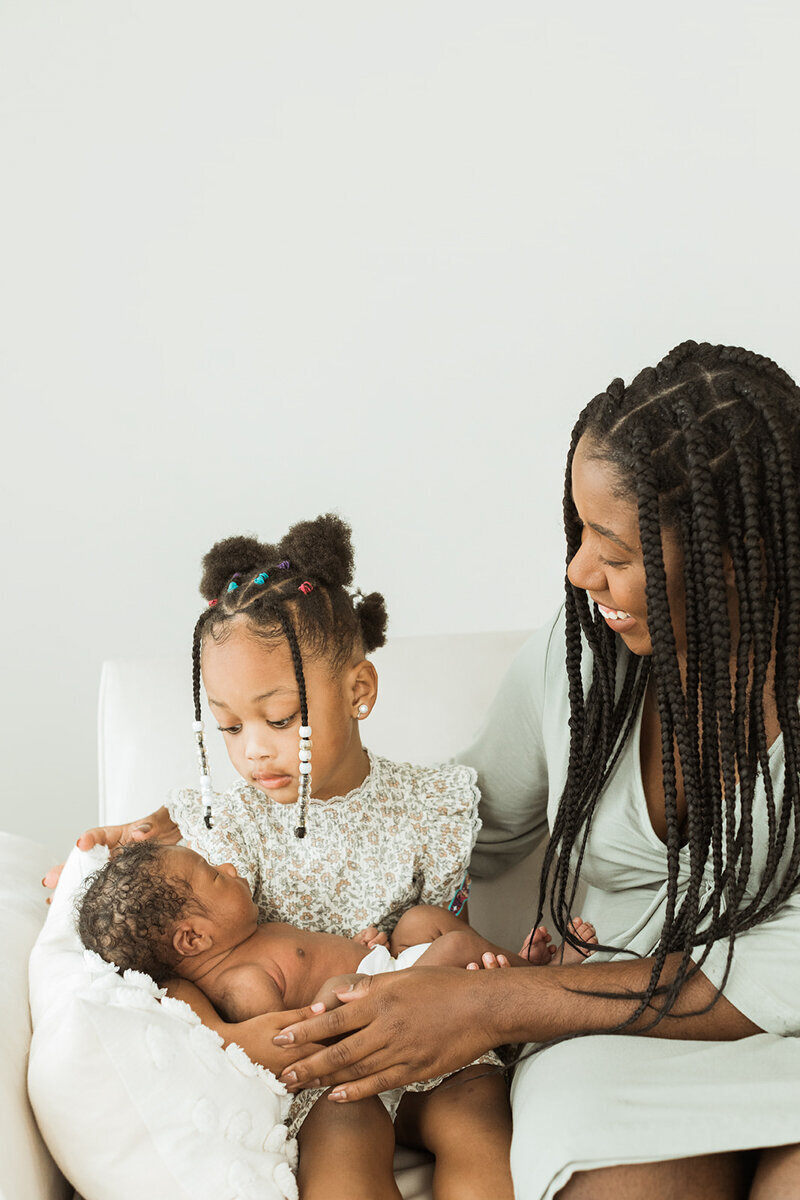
{"x": 247, "y": 665}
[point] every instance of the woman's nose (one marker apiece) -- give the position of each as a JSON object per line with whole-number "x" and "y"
{"x": 585, "y": 571}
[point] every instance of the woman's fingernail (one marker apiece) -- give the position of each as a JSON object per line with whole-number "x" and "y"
{"x": 288, "y": 1077}
{"x": 283, "y": 1039}
{"x": 338, "y": 1095}
{"x": 319, "y": 1007}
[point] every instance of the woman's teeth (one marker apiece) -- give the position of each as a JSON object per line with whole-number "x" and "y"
{"x": 613, "y": 614}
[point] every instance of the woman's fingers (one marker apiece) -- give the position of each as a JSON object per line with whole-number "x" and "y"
{"x": 395, "y": 1029}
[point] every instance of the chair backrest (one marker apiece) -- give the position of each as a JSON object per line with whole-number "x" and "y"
{"x": 433, "y": 696}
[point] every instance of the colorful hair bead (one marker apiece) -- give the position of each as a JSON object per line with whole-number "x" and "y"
{"x": 261, "y": 578}
{"x": 284, "y": 566}
{"x": 306, "y": 587}
{"x": 211, "y": 603}
{"x": 232, "y": 586}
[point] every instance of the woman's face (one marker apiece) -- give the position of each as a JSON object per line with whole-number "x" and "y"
{"x": 609, "y": 564}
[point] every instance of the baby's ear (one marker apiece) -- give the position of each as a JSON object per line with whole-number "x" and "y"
{"x": 189, "y": 941}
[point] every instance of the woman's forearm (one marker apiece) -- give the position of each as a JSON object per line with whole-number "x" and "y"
{"x": 556, "y": 1000}
{"x": 394, "y": 1029}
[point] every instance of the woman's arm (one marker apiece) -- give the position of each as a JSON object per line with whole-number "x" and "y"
{"x": 416, "y": 1024}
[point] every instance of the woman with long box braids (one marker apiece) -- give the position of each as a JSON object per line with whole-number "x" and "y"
{"x": 653, "y": 729}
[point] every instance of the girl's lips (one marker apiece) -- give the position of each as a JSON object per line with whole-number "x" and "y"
{"x": 272, "y": 781}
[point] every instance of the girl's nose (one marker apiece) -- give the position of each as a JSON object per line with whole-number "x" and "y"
{"x": 258, "y": 746}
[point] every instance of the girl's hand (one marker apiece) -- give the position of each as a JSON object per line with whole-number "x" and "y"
{"x": 159, "y": 825}
{"x": 371, "y": 937}
{"x": 403, "y": 1027}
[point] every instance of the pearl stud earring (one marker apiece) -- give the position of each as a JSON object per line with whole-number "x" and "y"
{"x": 363, "y": 709}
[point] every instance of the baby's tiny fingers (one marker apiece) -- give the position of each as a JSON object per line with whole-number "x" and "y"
{"x": 489, "y": 960}
{"x": 473, "y": 966}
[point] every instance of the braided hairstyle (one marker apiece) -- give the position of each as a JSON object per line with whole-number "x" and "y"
{"x": 131, "y": 908}
{"x": 707, "y": 444}
{"x": 298, "y": 590}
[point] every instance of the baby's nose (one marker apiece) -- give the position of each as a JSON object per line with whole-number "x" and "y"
{"x": 227, "y": 869}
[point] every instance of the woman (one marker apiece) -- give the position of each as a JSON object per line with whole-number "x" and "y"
{"x": 664, "y": 751}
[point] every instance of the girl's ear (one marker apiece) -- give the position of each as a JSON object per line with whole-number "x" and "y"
{"x": 362, "y": 688}
{"x": 188, "y": 941}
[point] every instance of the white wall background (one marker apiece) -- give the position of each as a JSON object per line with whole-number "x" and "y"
{"x": 260, "y": 260}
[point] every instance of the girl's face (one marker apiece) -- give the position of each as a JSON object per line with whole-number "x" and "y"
{"x": 609, "y": 564}
{"x": 253, "y": 694}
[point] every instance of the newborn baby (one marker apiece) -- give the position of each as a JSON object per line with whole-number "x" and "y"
{"x": 167, "y": 912}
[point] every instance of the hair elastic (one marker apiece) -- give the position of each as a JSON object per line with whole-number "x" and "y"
{"x": 306, "y": 587}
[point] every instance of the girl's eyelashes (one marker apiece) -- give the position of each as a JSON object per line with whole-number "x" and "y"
{"x": 284, "y": 723}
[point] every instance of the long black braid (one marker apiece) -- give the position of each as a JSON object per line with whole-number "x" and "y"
{"x": 707, "y": 444}
{"x": 297, "y": 590}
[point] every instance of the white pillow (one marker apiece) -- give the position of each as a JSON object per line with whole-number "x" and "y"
{"x": 27, "y": 1171}
{"x": 134, "y": 1097}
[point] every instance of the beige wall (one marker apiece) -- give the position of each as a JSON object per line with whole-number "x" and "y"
{"x": 259, "y": 260}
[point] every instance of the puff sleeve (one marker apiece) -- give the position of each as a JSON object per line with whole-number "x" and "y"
{"x": 449, "y": 826}
{"x": 513, "y": 754}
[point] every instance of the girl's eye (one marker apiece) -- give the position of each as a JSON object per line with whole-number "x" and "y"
{"x": 229, "y": 728}
{"x": 284, "y": 723}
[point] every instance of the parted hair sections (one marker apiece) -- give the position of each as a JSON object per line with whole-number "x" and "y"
{"x": 707, "y": 444}
{"x": 299, "y": 589}
{"x": 131, "y": 908}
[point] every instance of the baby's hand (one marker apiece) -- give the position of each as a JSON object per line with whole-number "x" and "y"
{"x": 371, "y": 937}
{"x": 538, "y": 947}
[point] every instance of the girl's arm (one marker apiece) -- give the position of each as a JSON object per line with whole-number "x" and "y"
{"x": 416, "y": 1024}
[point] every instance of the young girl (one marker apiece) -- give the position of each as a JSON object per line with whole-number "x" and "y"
{"x": 328, "y": 836}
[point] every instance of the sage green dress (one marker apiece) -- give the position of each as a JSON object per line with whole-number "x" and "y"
{"x": 603, "y": 1100}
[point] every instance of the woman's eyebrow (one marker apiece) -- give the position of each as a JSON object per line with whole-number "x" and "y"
{"x": 612, "y": 537}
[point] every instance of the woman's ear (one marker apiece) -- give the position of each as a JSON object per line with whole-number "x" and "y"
{"x": 188, "y": 940}
{"x": 362, "y": 688}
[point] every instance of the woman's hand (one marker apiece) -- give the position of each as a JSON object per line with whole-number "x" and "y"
{"x": 158, "y": 825}
{"x": 403, "y": 1027}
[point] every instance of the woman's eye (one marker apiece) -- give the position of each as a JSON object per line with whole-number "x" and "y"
{"x": 229, "y": 728}
{"x": 608, "y": 563}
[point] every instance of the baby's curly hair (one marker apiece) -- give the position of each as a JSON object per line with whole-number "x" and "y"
{"x": 130, "y": 908}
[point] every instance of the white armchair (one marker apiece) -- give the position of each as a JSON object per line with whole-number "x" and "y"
{"x": 434, "y": 692}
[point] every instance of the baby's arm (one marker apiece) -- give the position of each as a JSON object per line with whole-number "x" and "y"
{"x": 254, "y": 1035}
{"x": 248, "y": 991}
